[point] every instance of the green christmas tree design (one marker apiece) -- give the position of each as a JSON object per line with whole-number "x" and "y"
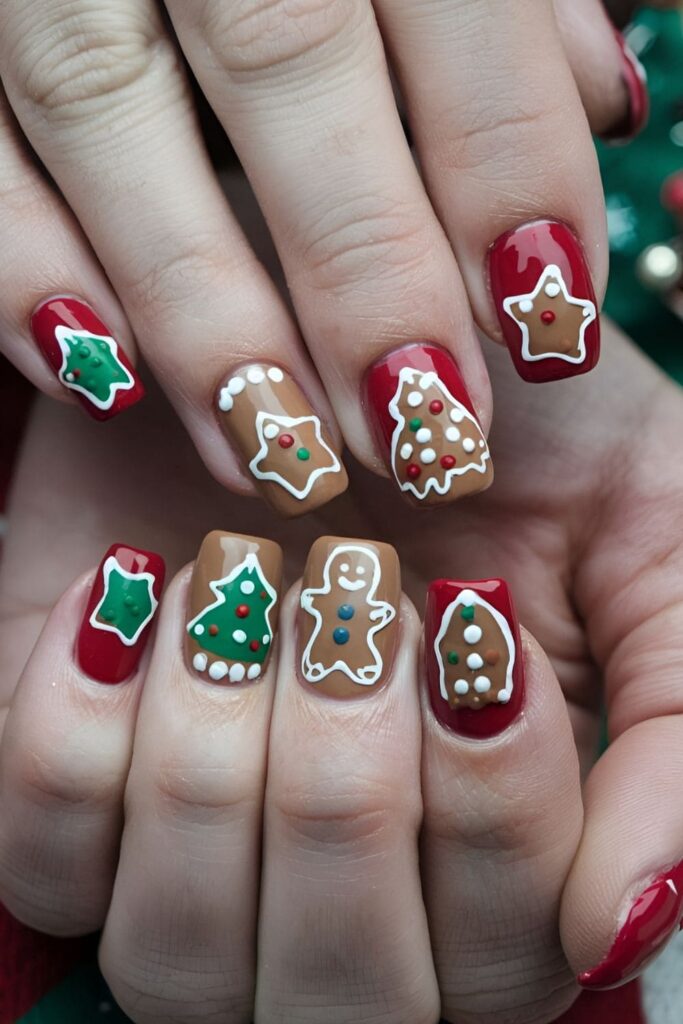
{"x": 236, "y": 627}
{"x": 128, "y": 602}
{"x": 91, "y": 364}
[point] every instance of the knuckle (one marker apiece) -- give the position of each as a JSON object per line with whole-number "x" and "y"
{"x": 205, "y": 793}
{"x": 65, "y": 781}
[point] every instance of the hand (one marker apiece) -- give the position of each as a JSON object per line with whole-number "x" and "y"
{"x": 138, "y": 241}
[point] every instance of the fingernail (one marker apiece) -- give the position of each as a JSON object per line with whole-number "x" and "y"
{"x": 288, "y": 451}
{"x": 473, "y": 655}
{"x": 87, "y": 360}
{"x": 233, "y": 607}
{"x": 348, "y": 619}
{"x": 651, "y": 921}
{"x": 635, "y": 80}
{"x": 122, "y": 604}
{"x": 425, "y": 425}
{"x": 545, "y": 301}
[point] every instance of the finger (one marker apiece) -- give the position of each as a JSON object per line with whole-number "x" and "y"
{"x": 538, "y": 222}
{"x": 503, "y": 809}
{"x": 342, "y": 816}
{"x": 66, "y": 747}
{"x": 45, "y": 262}
{"x": 179, "y": 942}
{"x": 101, "y": 96}
{"x": 305, "y": 96}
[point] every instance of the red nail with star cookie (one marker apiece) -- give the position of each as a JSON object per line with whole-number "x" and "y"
{"x": 86, "y": 358}
{"x": 426, "y": 426}
{"x": 544, "y": 298}
{"x": 473, "y": 656}
{"x": 122, "y": 604}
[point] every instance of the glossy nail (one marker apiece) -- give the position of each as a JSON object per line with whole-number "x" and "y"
{"x": 635, "y": 81}
{"x": 121, "y": 606}
{"x": 473, "y": 655}
{"x": 233, "y": 607}
{"x": 425, "y": 425}
{"x": 651, "y": 921}
{"x": 265, "y": 414}
{"x": 545, "y": 302}
{"x": 85, "y": 357}
{"x": 348, "y": 619}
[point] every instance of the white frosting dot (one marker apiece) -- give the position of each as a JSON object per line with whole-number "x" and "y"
{"x": 468, "y": 444}
{"x": 425, "y": 382}
{"x": 199, "y": 662}
{"x": 504, "y": 696}
{"x": 235, "y": 385}
{"x": 271, "y": 430}
{"x": 275, "y": 374}
{"x": 552, "y": 289}
{"x": 253, "y": 672}
{"x": 428, "y": 455}
{"x": 525, "y": 306}
{"x": 475, "y": 661}
{"x": 255, "y": 375}
{"x": 360, "y": 570}
{"x": 225, "y": 402}
{"x": 414, "y": 399}
{"x": 237, "y": 673}
{"x": 457, "y": 415}
{"x": 218, "y": 669}
{"x": 482, "y": 684}
{"x": 344, "y": 567}
{"x": 239, "y": 636}
{"x": 461, "y": 686}
{"x": 482, "y": 443}
{"x": 69, "y": 376}
{"x": 406, "y": 450}
{"x": 265, "y": 639}
{"x": 472, "y": 634}
{"x": 468, "y": 597}
{"x": 452, "y": 434}
{"x": 423, "y": 435}
{"x": 247, "y": 587}
{"x": 198, "y": 629}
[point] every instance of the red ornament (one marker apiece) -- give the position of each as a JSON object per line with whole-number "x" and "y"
{"x": 285, "y": 440}
{"x": 254, "y": 645}
{"x": 436, "y": 406}
{"x": 213, "y": 630}
{"x": 413, "y": 471}
{"x": 263, "y": 595}
{"x": 241, "y": 611}
{"x": 76, "y": 373}
{"x": 547, "y": 316}
{"x": 447, "y": 461}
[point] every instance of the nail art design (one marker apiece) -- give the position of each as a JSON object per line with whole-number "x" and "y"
{"x": 264, "y": 412}
{"x": 86, "y": 358}
{"x": 473, "y": 656}
{"x": 634, "y": 77}
{"x": 545, "y": 301}
{"x": 123, "y": 601}
{"x": 349, "y": 600}
{"x": 652, "y": 920}
{"x": 425, "y": 421}
{"x": 233, "y": 607}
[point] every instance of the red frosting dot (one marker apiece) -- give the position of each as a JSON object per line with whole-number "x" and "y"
{"x": 436, "y": 406}
{"x": 241, "y": 611}
{"x": 285, "y": 440}
{"x": 254, "y": 645}
{"x": 413, "y": 471}
{"x": 447, "y": 461}
{"x": 76, "y": 373}
{"x": 213, "y": 630}
{"x": 547, "y": 316}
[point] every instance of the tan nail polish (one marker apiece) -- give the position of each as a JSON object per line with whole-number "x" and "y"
{"x": 348, "y": 617}
{"x": 233, "y": 607}
{"x": 264, "y": 412}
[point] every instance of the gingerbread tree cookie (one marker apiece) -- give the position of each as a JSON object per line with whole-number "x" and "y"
{"x": 553, "y": 322}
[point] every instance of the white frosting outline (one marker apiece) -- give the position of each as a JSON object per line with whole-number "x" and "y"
{"x": 382, "y": 614}
{"x": 407, "y": 375}
{"x": 110, "y": 564}
{"x": 554, "y": 272}
{"x": 465, "y": 598}
{"x": 252, "y": 565}
{"x": 61, "y": 334}
{"x": 262, "y": 418}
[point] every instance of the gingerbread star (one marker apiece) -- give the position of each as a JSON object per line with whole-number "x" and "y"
{"x": 553, "y": 322}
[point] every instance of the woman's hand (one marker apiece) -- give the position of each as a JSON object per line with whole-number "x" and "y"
{"x": 138, "y": 242}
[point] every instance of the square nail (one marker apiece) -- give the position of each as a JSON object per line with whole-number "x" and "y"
{"x": 233, "y": 606}
{"x": 283, "y": 443}
{"x": 473, "y": 656}
{"x": 122, "y": 603}
{"x": 348, "y": 619}
{"x": 85, "y": 356}
{"x": 426, "y": 426}
{"x": 544, "y": 298}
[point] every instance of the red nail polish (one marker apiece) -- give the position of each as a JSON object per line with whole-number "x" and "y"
{"x": 122, "y": 603}
{"x": 87, "y": 360}
{"x": 652, "y": 920}
{"x": 545, "y": 301}
{"x": 426, "y": 426}
{"x": 473, "y": 656}
{"x": 635, "y": 80}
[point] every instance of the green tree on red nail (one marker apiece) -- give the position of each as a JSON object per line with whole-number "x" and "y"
{"x": 127, "y": 604}
{"x": 91, "y": 365}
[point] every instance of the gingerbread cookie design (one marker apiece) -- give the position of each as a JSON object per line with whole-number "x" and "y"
{"x": 264, "y": 412}
{"x": 348, "y": 602}
{"x": 553, "y": 322}
{"x": 475, "y": 653}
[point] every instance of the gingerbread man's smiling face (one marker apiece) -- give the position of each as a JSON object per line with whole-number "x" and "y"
{"x": 353, "y": 571}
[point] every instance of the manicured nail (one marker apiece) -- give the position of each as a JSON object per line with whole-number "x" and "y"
{"x": 348, "y": 619}
{"x": 473, "y": 654}
{"x": 122, "y": 603}
{"x": 545, "y": 301}
{"x": 290, "y": 454}
{"x": 85, "y": 357}
{"x": 635, "y": 80}
{"x": 425, "y": 424}
{"x": 233, "y": 607}
{"x": 651, "y": 921}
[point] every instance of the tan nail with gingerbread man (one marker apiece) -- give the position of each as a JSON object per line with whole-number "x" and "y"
{"x": 348, "y": 619}
{"x": 289, "y": 453}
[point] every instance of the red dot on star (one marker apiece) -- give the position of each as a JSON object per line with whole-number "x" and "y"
{"x": 213, "y": 630}
{"x": 254, "y": 645}
{"x": 447, "y": 461}
{"x": 241, "y": 611}
{"x": 436, "y": 406}
{"x": 285, "y": 440}
{"x": 547, "y": 316}
{"x": 413, "y": 471}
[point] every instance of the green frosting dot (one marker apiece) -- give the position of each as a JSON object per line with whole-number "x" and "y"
{"x": 108, "y": 614}
{"x": 303, "y": 454}
{"x": 453, "y": 658}
{"x": 84, "y": 352}
{"x": 128, "y": 601}
{"x": 415, "y": 424}
{"x": 96, "y": 361}
{"x": 467, "y": 613}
